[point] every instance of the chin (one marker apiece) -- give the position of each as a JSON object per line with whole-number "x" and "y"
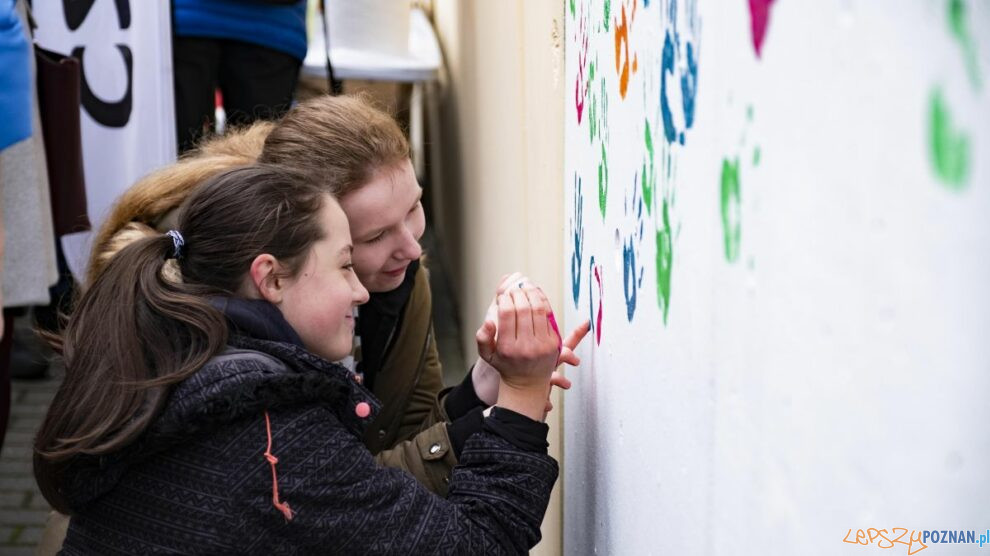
{"x": 338, "y": 355}
{"x": 386, "y": 283}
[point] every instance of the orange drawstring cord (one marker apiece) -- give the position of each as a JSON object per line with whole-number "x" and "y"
{"x": 281, "y": 506}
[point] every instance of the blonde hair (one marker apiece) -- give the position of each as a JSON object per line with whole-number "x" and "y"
{"x": 242, "y": 142}
{"x": 156, "y": 196}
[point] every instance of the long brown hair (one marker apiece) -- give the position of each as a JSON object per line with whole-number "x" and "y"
{"x": 135, "y": 333}
{"x": 337, "y": 142}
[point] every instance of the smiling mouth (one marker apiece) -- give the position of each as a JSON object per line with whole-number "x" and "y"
{"x": 397, "y": 272}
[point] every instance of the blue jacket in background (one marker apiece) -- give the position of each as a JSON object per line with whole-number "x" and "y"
{"x": 15, "y": 77}
{"x": 281, "y": 28}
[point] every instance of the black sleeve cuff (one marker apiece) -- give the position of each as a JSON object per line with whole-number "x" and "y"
{"x": 462, "y": 398}
{"x": 461, "y": 429}
{"x": 521, "y": 431}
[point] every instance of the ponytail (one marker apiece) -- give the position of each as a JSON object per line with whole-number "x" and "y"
{"x": 145, "y": 322}
{"x": 134, "y": 333}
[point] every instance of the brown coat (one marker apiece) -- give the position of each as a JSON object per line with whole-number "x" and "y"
{"x": 411, "y": 431}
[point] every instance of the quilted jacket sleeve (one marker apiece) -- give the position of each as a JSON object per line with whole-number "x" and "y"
{"x": 343, "y": 502}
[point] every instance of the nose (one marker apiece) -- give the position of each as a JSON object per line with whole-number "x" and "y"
{"x": 410, "y": 248}
{"x": 359, "y": 292}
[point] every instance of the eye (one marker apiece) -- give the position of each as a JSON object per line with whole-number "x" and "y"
{"x": 349, "y": 267}
{"x": 377, "y": 238}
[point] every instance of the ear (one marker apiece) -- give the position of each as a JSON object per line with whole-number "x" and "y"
{"x": 263, "y": 279}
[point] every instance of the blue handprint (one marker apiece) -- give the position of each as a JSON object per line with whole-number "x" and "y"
{"x": 577, "y": 224}
{"x": 630, "y": 281}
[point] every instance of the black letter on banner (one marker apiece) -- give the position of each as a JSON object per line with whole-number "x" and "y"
{"x": 77, "y": 10}
{"x": 110, "y": 114}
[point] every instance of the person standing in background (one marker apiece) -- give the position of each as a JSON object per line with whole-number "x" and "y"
{"x": 28, "y": 261}
{"x": 250, "y": 49}
{"x": 15, "y": 100}
{"x": 15, "y": 109}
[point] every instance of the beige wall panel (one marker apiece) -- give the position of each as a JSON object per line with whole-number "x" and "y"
{"x": 502, "y": 140}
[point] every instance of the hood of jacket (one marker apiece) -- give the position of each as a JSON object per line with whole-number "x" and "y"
{"x": 252, "y": 375}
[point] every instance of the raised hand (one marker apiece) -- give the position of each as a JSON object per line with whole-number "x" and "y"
{"x": 525, "y": 351}
{"x": 485, "y": 377}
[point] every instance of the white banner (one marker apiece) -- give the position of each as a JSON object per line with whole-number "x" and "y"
{"x": 128, "y": 111}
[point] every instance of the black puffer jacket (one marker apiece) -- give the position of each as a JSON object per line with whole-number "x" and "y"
{"x": 199, "y": 482}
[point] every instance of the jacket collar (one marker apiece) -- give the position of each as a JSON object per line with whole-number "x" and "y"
{"x": 378, "y": 323}
{"x": 256, "y": 318}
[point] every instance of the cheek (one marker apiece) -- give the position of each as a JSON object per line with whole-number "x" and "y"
{"x": 323, "y": 323}
{"x": 309, "y": 317}
{"x": 418, "y": 224}
{"x": 368, "y": 260}
{"x": 315, "y": 309}
{"x": 319, "y": 333}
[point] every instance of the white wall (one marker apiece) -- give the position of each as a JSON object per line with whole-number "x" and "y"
{"x": 830, "y": 369}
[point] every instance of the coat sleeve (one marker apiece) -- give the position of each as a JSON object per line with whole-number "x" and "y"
{"x": 428, "y": 456}
{"x": 343, "y": 502}
{"x": 15, "y": 77}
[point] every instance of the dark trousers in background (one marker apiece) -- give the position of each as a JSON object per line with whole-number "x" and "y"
{"x": 32, "y": 357}
{"x": 5, "y": 344}
{"x": 256, "y": 82}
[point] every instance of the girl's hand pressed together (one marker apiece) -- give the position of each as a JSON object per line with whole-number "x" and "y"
{"x": 485, "y": 377}
{"x": 525, "y": 350}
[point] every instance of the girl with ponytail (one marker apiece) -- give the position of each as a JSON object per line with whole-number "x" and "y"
{"x": 204, "y": 415}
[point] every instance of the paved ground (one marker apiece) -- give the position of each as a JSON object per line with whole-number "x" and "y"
{"x": 22, "y": 508}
